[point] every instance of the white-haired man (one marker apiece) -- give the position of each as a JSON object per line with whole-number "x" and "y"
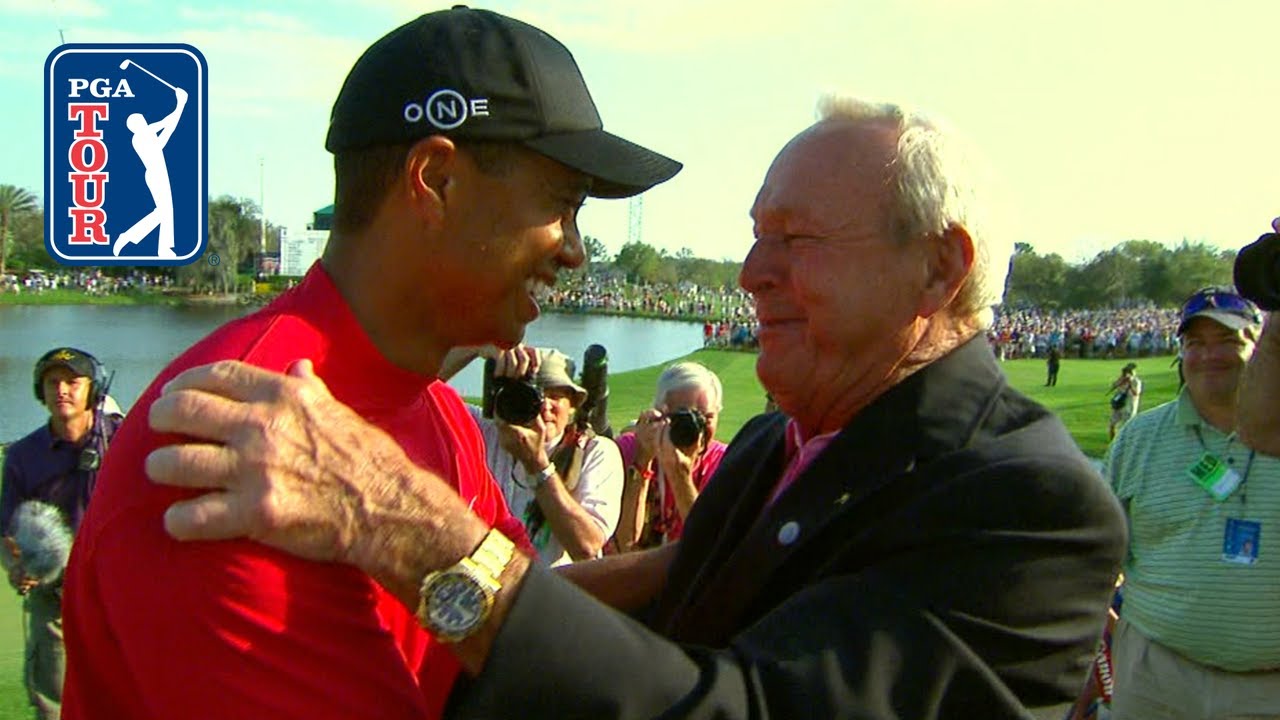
{"x": 909, "y": 538}
{"x": 670, "y": 456}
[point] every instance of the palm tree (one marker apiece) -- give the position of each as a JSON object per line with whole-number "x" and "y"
{"x": 13, "y": 201}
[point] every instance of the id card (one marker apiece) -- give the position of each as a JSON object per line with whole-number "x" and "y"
{"x": 1240, "y": 541}
{"x": 1214, "y": 477}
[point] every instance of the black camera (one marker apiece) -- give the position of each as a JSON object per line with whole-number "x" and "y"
{"x": 686, "y": 425}
{"x": 516, "y": 402}
{"x": 1257, "y": 272}
{"x": 89, "y": 461}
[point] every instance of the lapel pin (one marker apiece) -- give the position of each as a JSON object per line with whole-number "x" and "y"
{"x": 788, "y": 533}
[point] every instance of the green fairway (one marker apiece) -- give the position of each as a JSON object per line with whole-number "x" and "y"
{"x": 13, "y": 697}
{"x": 1081, "y": 396}
{"x": 1080, "y": 399}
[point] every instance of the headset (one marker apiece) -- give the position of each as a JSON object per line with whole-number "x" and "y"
{"x": 98, "y": 379}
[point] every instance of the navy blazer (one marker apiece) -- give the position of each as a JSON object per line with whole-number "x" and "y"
{"x": 951, "y": 554}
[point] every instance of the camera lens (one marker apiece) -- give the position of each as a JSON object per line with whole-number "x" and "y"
{"x": 1257, "y": 272}
{"x": 517, "y": 402}
{"x": 686, "y": 427}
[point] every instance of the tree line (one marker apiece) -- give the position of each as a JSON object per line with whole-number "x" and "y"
{"x": 235, "y": 234}
{"x": 1134, "y": 272}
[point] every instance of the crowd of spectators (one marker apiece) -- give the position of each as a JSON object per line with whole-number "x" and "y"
{"x": 684, "y": 301}
{"x": 727, "y": 315}
{"x": 1126, "y": 332}
{"x": 90, "y": 281}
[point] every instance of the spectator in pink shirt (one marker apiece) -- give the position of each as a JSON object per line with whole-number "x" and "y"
{"x": 669, "y": 456}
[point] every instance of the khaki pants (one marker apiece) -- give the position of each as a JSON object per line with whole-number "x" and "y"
{"x": 45, "y": 662}
{"x": 1153, "y": 682}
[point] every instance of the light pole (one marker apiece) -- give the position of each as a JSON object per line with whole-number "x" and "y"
{"x": 262, "y": 205}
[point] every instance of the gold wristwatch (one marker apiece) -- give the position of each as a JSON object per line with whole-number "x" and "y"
{"x": 453, "y": 603}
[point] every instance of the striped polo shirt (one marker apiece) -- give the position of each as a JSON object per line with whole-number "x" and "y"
{"x": 1179, "y": 591}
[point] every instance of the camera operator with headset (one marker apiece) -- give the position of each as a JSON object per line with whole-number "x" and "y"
{"x": 1258, "y": 278}
{"x": 559, "y": 477}
{"x": 670, "y": 455}
{"x": 48, "y": 478}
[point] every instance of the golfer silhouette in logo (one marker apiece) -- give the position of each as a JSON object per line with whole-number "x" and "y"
{"x": 149, "y": 141}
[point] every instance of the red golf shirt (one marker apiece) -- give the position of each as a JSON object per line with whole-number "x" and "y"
{"x": 156, "y": 628}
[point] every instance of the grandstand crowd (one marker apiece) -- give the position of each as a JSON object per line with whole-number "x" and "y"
{"x": 1127, "y": 332}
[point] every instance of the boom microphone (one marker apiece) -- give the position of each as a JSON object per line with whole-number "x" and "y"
{"x": 43, "y": 540}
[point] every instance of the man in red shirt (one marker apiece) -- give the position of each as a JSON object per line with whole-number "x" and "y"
{"x": 464, "y": 144}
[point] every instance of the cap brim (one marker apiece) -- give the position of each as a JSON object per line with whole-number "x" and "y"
{"x": 580, "y": 393}
{"x": 67, "y": 364}
{"x": 618, "y": 168}
{"x": 1230, "y": 320}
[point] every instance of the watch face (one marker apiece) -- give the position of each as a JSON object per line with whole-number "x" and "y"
{"x": 458, "y": 604}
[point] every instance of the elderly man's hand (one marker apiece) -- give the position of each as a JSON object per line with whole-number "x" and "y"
{"x": 293, "y": 468}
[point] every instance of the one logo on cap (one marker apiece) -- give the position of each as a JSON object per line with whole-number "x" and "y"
{"x": 126, "y": 149}
{"x": 63, "y": 355}
{"x": 446, "y": 109}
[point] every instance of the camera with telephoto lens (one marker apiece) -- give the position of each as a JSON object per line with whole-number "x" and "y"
{"x": 1257, "y": 272}
{"x": 687, "y": 425}
{"x": 594, "y": 412}
{"x": 516, "y": 401}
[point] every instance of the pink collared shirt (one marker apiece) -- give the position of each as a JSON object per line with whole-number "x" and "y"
{"x": 797, "y": 462}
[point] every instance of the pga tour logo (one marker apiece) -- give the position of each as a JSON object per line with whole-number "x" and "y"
{"x": 126, "y": 145}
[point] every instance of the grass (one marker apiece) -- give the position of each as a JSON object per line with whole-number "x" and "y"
{"x": 13, "y": 696}
{"x": 1079, "y": 398}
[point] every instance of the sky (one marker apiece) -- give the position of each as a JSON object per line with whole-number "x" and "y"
{"x": 1102, "y": 121}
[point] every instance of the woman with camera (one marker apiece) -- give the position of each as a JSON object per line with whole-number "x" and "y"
{"x": 670, "y": 454}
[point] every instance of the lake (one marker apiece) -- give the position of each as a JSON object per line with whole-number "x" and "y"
{"x": 136, "y": 342}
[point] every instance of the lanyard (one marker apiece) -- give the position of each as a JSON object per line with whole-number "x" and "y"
{"x": 1226, "y": 450}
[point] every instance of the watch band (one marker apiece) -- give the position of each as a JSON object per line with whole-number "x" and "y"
{"x": 493, "y": 555}
{"x": 454, "y": 603}
{"x": 543, "y": 476}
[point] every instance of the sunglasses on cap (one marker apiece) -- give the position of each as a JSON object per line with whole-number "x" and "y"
{"x": 1223, "y": 301}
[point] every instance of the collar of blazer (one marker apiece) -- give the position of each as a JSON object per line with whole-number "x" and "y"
{"x": 935, "y": 411}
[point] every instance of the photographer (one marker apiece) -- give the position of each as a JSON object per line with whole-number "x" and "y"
{"x": 669, "y": 455}
{"x": 561, "y": 479}
{"x": 1126, "y": 393}
{"x": 1257, "y": 416}
{"x": 48, "y": 477}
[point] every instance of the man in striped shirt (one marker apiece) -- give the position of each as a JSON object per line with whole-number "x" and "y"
{"x": 1199, "y": 634}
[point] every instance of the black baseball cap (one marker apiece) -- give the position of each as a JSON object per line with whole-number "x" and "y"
{"x": 77, "y": 361}
{"x": 477, "y": 75}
